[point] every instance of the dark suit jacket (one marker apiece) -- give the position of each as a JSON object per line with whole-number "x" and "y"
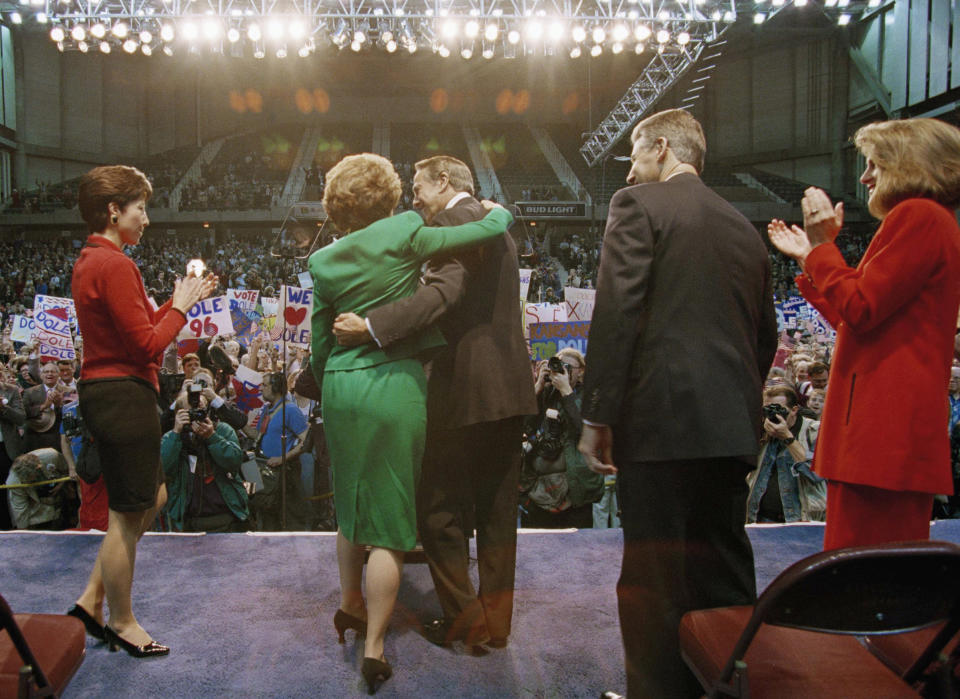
{"x": 11, "y": 417}
{"x": 33, "y": 398}
{"x": 484, "y": 373}
{"x": 684, "y": 328}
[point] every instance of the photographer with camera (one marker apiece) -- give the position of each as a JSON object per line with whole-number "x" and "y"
{"x": 201, "y": 382}
{"x": 201, "y": 459}
{"x": 558, "y": 490}
{"x": 782, "y": 487}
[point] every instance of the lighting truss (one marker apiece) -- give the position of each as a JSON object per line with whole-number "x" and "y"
{"x": 469, "y": 28}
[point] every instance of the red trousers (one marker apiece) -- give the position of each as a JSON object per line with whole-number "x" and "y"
{"x": 861, "y": 515}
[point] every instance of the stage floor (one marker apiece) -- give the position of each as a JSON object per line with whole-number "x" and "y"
{"x": 251, "y": 615}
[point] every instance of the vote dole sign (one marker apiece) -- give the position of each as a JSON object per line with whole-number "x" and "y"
{"x": 207, "y": 318}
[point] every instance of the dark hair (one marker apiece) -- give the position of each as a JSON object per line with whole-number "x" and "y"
{"x": 120, "y": 184}
{"x": 276, "y": 382}
{"x": 817, "y": 368}
{"x": 782, "y": 390}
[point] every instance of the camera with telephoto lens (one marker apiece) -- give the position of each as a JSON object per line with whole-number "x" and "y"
{"x": 72, "y": 425}
{"x": 773, "y": 411}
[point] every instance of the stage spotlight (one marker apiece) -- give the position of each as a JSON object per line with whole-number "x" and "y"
{"x": 873, "y": 3}
{"x": 778, "y": 3}
{"x": 471, "y": 29}
{"x": 443, "y": 51}
{"x": 57, "y": 34}
{"x": 803, "y": 3}
{"x": 578, "y": 33}
{"x": 233, "y": 35}
{"x": 466, "y": 53}
{"x": 282, "y": 52}
{"x": 683, "y": 38}
{"x": 83, "y": 46}
{"x": 596, "y": 50}
{"x": 599, "y": 36}
{"x": 190, "y": 31}
{"x": 386, "y": 37}
{"x": 488, "y": 53}
{"x": 120, "y": 30}
{"x": 258, "y": 53}
{"x": 212, "y": 29}
{"x": 129, "y": 45}
{"x": 60, "y": 46}
{"x": 663, "y": 36}
{"x": 166, "y": 32}
{"x": 391, "y": 46}
{"x": 412, "y": 47}
{"x": 339, "y": 36}
{"x": 296, "y": 29}
{"x": 843, "y": 3}
{"x": 145, "y": 37}
{"x": 41, "y": 18}
{"x": 534, "y": 30}
{"x": 642, "y": 32}
{"x": 168, "y": 50}
{"x": 575, "y": 52}
{"x": 104, "y": 47}
{"x": 843, "y": 20}
{"x": 513, "y": 37}
{"x": 275, "y": 29}
{"x": 491, "y": 32}
{"x": 254, "y": 33}
{"x": 16, "y": 18}
{"x": 556, "y": 31}
{"x": 356, "y": 46}
{"x": 303, "y": 52}
{"x": 620, "y": 32}
{"x": 147, "y": 51}
{"x": 78, "y": 32}
{"x": 359, "y": 37}
{"x": 449, "y": 29}
{"x": 638, "y": 49}
{"x": 617, "y": 47}
{"x": 759, "y": 18}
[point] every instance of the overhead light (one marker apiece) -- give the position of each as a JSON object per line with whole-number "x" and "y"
{"x": 683, "y": 38}
{"x": 620, "y": 32}
{"x": 145, "y": 37}
{"x": 359, "y": 37}
{"x": 575, "y": 52}
{"x": 274, "y": 29}
{"x": 596, "y": 50}
{"x": 386, "y": 37}
{"x": 303, "y": 52}
{"x": 443, "y": 51}
{"x": 41, "y": 18}
{"x": 412, "y": 47}
{"x": 79, "y": 33}
{"x": 57, "y": 34}
{"x": 356, "y": 46}
{"x": 104, "y": 47}
{"x": 599, "y": 36}
{"x": 617, "y": 47}
{"x": 391, "y": 46}
{"x": 282, "y": 52}
{"x": 663, "y": 36}
{"x": 233, "y": 35}
{"x": 638, "y": 49}
{"x": 254, "y": 33}
{"x": 471, "y": 29}
{"x": 212, "y": 29}
{"x": 491, "y": 32}
{"x": 578, "y": 33}
{"x": 166, "y": 32}
{"x": 843, "y": 20}
{"x": 642, "y": 32}
{"x": 168, "y": 50}
{"x": 120, "y": 30}
{"x": 449, "y": 29}
{"x": 534, "y": 30}
{"x": 466, "y": 53}
{"x": 189, "y": 31}
{"x": 488, "y": 53}
{"x": 129, "y": 45}
{"x": 513, "y": 36}
{"x": 83, "y": 46}
{"x": 297, "y": 29}
{"x": 147, "y": 51}
{"x": 258, "y": 53}
{"x": 759, "y": 18}
{"x": 16, "y": 18}
{"x": 556, "y": 31}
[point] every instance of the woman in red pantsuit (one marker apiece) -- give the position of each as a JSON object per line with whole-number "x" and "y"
{"x": 883, "y": 444}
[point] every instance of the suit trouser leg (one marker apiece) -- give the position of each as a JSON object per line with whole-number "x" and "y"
{"x": 495, "y": 452}
{"x": 685, "y": 548}
{"x": 5, "y": 463}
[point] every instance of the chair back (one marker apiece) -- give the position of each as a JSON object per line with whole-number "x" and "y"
{"x": 889, "y": 588}
{"x": 8, "y": 623}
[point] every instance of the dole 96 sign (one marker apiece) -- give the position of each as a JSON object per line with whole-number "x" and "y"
{"x": 207, "y": 318}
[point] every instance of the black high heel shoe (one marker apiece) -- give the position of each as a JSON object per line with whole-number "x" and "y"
{"x": 343, "y": 621}
{"x": 148, "y": 650}
{"x": 93, "y": 628}
{"x": 375, "y": 673}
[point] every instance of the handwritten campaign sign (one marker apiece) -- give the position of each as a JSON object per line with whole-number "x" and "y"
{"x": 579, "y": 303}
{"x": 297, "y": 305}
{"x": 42, "y": 302}
{"x": 270, "y": 305}
{"x": 54, "y": 338}
{"x": 207, "y": 318}
{"x": 546, "y": 339}
{"x": 543, "y": 313}
{"x": 22, "y": 329}
{"x": 245, "y": 299}
{"x": 796, "y": 313}
{"x": 246, "y": 384}
{"x": 525, "y": 275}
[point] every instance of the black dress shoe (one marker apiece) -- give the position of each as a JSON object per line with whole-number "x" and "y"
{"x": 147, "y": 650}
{"x": 440, "y": 633}
{"x": 93, "y": 627}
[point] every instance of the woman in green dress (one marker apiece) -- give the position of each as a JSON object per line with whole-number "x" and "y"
{"x": 374, "y": 400}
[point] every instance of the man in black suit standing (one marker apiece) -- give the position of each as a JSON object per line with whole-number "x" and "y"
{"x": 683, "y": 333}
{"x": 479, "y": 388}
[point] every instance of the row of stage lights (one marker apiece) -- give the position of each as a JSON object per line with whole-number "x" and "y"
{"x": 278, "y": 33}
{"x": 837, "y": 7}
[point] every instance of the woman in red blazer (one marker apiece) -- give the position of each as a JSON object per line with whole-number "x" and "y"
{"x": 883, "y": 440}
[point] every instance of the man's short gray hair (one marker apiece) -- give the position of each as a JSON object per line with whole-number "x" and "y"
{"x": 683, "y": 133}
{"x": 459, "y": 175}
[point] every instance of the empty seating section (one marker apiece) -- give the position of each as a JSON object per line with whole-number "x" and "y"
{"x": 521, "y": 167}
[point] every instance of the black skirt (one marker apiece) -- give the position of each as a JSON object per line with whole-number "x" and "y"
{"x": 122, "y": 415}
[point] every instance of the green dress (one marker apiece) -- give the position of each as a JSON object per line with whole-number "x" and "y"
{"x": 374, "y": 400}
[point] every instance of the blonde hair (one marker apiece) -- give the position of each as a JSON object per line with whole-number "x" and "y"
{"x": 916, "y": 158}
{"x": 683, "y": 133}
{"x": 361, "y": 189}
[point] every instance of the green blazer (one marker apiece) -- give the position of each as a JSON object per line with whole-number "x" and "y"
{"x": 376, "y": 265}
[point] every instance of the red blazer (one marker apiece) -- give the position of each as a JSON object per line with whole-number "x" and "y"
{"x": 122, "y": 334}
{"x": 886, "y": 413}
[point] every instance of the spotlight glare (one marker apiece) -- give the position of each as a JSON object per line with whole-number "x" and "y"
{"x": 281, "y": 52}
{"x": 297, "y": 29}
{"x": 534, "y": 30}
{"x": 443, "y": 51}
{"x": 663, "y": 36}
{"x": 147, "y": 51}
{"x": 596, "y": 50}
{"x": 599, "y": 36}
{"x": 356, "y": 46}
{"x": 391, "y": 46}
{"x": 617, "y": 48}
{"x": 638, "y": 49}
{"x": 472, "y": 29}
{"x": 16, "y": 18}
{"x": 145, "y": 37}
{"x": 556, "y": 31}
{"x": 78, "y": 33}
{"x": 129, "y": 45}
{"x": 843, "y": 20}
{"x": 57, "y": 34}
{"x": 120, "y": 30}
{"x": 386, "y": 37}
{"x": 83, "y": 46}
{"x": 759, "y": 18}
{"x": 166, "y": 32}
{"x": 488, "y": 53}
{"x": 642, "y": 32}
{"x": 274, "y": 29}
{"x": 575, "y": 52}
{"x": 491, "y": 32}
{"x": 233, "y": 35}
{"x": 578, "y": 33}
{"x": 412, "y": 47}
{"x": 513, "y": 37}
{"x": 467, "y": 53}
{"x": 212, "y": 29}
{"x": 254, "y": 33}
{"x": 359, "y": 37}
{"x": 41, "y": 18}
{"x": 620, "y": 32}
{"x": 104, "y": 47}
{"x": 168, "y": 50}
{"x": 449, "y": 29}
{"x": 258, "y": 53}
{"x": 683, "y": 38}
{"x": 190, "y": 31}
{"x": 303, "y": 52}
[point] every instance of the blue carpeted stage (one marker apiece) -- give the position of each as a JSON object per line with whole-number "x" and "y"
{"x": 251, "y": 615}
